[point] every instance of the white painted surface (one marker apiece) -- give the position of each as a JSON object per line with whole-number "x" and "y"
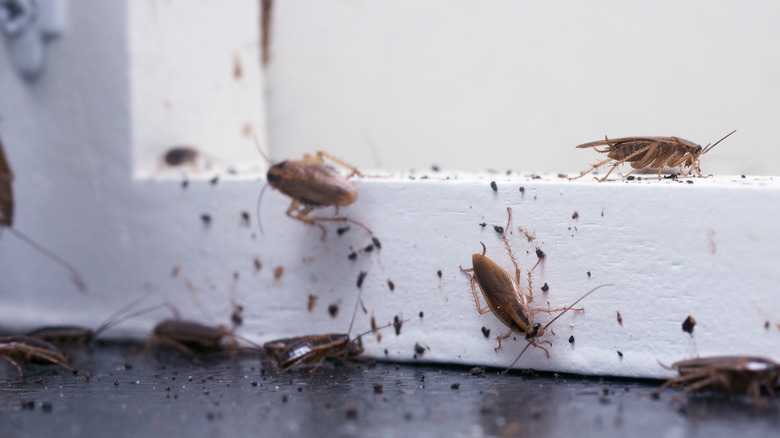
{"x": 516, "y": 85}
{"x": 85, "y": 139}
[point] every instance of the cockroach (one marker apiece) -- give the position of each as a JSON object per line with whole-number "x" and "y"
{"x": 176, "y": 156}
{"x": 726, "y": 374}
{"x": 289, "y": 352}
{"x": 191, "y": 338}
{"x": 508, "y": 301}
{"x": 7, "y": 219}
{"x": 21, "y": 350}
{"x": 651, "y": 152}
{"x": 68, "y": 338}
{"x": 504, "y": 296}
{"x": 312, "y": 183}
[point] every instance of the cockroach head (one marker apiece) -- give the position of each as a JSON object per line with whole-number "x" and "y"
{"x": 273, "y": 176}
{"x": 536, "y": 331}
{"x": 355, "y": 347}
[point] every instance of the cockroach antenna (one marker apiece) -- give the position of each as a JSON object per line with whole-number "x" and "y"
{"x": 262, "y": 192}
{"x": 75, "y": 276}
{"x": 503, "y": 373}
{"x": 709, "y": 148}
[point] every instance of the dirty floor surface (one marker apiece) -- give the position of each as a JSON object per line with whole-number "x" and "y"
{"x": 166, "y": 394}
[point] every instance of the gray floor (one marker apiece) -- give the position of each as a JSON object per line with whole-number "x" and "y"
{"x": 166, "y": 394}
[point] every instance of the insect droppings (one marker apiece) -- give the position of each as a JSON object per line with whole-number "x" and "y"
{"x": 620, "y": 354}
{"x": 377, "y": 243}
{"x": 390, "y": 285}
{"x": 486, "y": 332}
{"x": 493, "y": 186}
{"x": 571, "y": 339}
{"x": 397, "y": 324}
{"x": 352, "y": 255}
{"x": 311, "y": 302}
{"x": 206, "y": 219}
{"x": 619, "y": 318}
{"x": 333, "y": 310}
{"x": 688, "y": 324}
{"x": 498, "y": 229}
{"x": 342, "y": 230}
{"x": 245, "y": 218}
{"x": 545, "y": 287}
{"x": 438, "y": 273}
{"x": 575, "y": 215}
{"x": 278, "y": 272}
{"x": 361, "y": 277}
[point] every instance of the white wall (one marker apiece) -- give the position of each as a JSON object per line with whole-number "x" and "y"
{"x": 503, "y": 86}
{"x": 517, "y": 84}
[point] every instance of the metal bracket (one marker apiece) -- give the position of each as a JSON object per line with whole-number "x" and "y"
{"x": 27, "y": 26}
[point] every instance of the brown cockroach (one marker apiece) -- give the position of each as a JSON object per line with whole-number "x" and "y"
{"x": 651, "y": 152}
{"x": 726, "y": 374}
{"x": 20, "y": 350}
{"x": 289, "y": 352}
{"x": 504, "y": 296}
{"x": 508, "y": 301}
{"x": 312, "y": 183}
{"x": 7, "y": 219}
{"x": 68, "y": 338}
{"x": 191, "y": 338}
{"x": 176, "y": 156}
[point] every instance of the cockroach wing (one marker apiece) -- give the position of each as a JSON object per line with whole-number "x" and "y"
{"x": 312, "y": 184}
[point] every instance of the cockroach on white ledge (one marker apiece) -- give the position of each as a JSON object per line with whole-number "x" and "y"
{"x": 312, "y": 183}
{"x": 650, "y": 152}
{"x": 508, "y": 301}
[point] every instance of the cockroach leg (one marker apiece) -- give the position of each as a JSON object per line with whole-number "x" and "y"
{"x": 17, "y": 350}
